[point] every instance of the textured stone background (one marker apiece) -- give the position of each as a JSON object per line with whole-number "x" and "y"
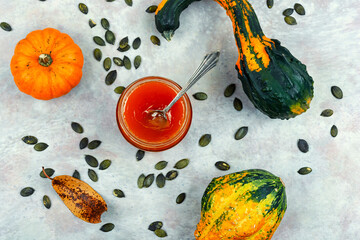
{"x": 321, "y": 205}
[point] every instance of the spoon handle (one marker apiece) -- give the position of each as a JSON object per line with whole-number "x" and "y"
{"x": 208, "y": 63}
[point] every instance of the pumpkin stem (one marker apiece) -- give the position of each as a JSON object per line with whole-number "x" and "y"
{"x": 45, "y": 60}
{"x": 282, "y": 182}
{"x": 43, "y": 169}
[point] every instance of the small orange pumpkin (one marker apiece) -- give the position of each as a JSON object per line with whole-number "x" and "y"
{"x": 47, "y": 64}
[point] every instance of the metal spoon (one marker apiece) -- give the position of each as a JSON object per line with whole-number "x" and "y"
{"x": 208, "y": 63}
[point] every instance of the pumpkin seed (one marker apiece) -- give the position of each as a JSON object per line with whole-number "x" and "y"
{"x": 305, "y": 170}
{"x": 155, "y": 225}
{"x": 25, "y": 192}
{"x": 48, "y": 171}
{"x": 127, "y": 63}
{"x": 46, "y": 201}
{"x": 76, "y": 174}
{"x": 161, "y": 165}
{"x": 83, "y": 143}
{"x": 155, "y": 40}
{"x": 303, "y": 145}
{"x": 229, "y": 90}
{"x": 97, "y": 54}
{"x": 160, "y": 180}
{"x": 105, "y": 164}
{"x": 118, "y": 61}
{"x": 107, "y": 64}
{"x": 337, "y": 92}
{"x": 40, "y": 146}
{"x": 91, "y": 161}
{"x": 201, "y": 96}
{"x": 241, "y": 132}
{"x": 290, "y": 20}
{"x": 83, "y": 8}
{"x": 149, "y": 179}
{"x": 327, "y": 113}
{"x": 299, "y": 9}
{"x": 171, "y": 175}
{"x": 99, "y": 41}
{"x": 151, "y": 9}
{"x": 92, "y": 23}
{"x": 288, "y": 12}
{"x": 182, "y": 163}
{"x": 334, "y": 131}
{"x": 137, "y": 62}
{"x": 140, "y": 155}
{"x": 118, "y": 193}
{"x": 270, "y": 3}
{"x": 204, "y": 140}
{"x": 92, "y": 175}
{"x": 77, "y": 127}
{"x": 224, "y": 166}
{"x": 105, "y": 23}
{"x": 94, "y": 144}
{"x": 140, "y": 181}
{"x": 110, "y": 37}
{"x": 180, "y": 198}
{"x": 124, "y": 42}
{"x": 136, "y": 43}
{"x": 31, "y": 140}
{"x": 107, "y": 227}
{"x": 128, "y": 2}
{"x": 111, "y": 77}
{"x": 160, "y": 233}
{"x": 119, "y": 89}
{"x": 237, "y": 104}
{"x": 5, "y": 26}
{"x": 127, "y": 47}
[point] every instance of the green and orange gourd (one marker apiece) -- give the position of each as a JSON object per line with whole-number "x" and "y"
{"x": 274, "y": 80}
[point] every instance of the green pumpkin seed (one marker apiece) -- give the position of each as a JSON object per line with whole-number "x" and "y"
{"x": 305, "y": 170}
{"x": 110, "y": 37}
{"x": 76, "y": 174}
{"x": 83, "y": 8}
{"x": 83, "y": 143}
{"x": 160, "y": 233}
{"x": 48, "y": 171}
{"x": 337, "y": 92}
{"x": 290, "y": 20}
{"x": 155, "y": 225}
{"x": 107, "y": 64}
{"x": 118, "y": 193}
{"x": 91, "y": 161}
{"x": 129, "y": 2}
{"x": 31, "y": 140}
{"x": 40, "y": 146}
{"x": 204, "y": 140}
{"x": 127, "y": 47}
{"x": 77, "y": 127}
{"x": 111, "y": 77}
{"x": 151, "y": 9}
{"x": 201, "y": 96}
{"x": 97, "y": 54}
{"x": 99, "y": 41}
{"x": 288, "y": 12}
{"x": 299, "y": 9}
{"x": 124, "y": 42}
{"x": 46, "y": 201}
{"x": 25, "y": 192}
{"x": 155, "y": 40}
{"x": 92, "y": 23}
{"x": 160, "y": 180}
{"x": 238, "y": 104}
{"x": 161, "y": 165}
{"x": 334, "y": 131}
{"x": 140, "y": 155}
{"x": 92, "y": 175}
{"x": 127, "y": 63}
{"x": 270, "y": 3}
{"x": 5, "y": 26}
{"x": 137, "y": 62}
{"x": 107, "y": 227}
{"x": 327, "y": 113}
{"x": 171, "y": 175}
{"x": 229, "y": 90}
{"x": 105, "y": 23}
{"x": 105, "y": 164}
{"x": 119, "y": 89}
{"x": 182, "y": 163}
{"x": 149, "y": 179}
{"x": 241, "y": 132}
{"x": 224, "y": 166}
{"x": 118, "y": 61}
{"x": 180, "y": 198}
{"x": 94, "y": 144}
{"x": 136, "y": 43}
{"x": 303, "y": 145}
{"x": 140, "y": 181}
